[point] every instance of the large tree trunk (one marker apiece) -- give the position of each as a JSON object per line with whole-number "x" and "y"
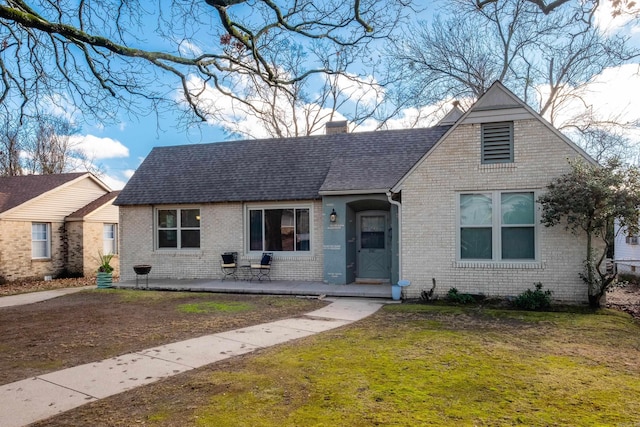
{"x": 594, "y": 300}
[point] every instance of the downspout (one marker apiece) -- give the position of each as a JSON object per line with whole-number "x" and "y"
{"x": 399, "y": 205}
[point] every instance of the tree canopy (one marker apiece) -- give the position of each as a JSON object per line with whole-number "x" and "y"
{"x": 103, "y": 56}
{"x": 549, "y": 60}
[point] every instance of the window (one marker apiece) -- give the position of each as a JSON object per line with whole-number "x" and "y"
{"x": 631, "y": 240}
{"x": 110, "y": 238}
{"x": 497, "y": 142}
{"x": 178, "y": 228}
{"x": 497, "y": 226}
{"x": 40, "y": 240}
{"x": 279, "y": 230}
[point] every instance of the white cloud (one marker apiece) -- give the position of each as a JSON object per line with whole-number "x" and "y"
{"x": 360, "y": 90}
{"x": 611, "y": 95}
{"x": 235, "y": 116}
{"x": 188, "y": 48}
{"x": 607, "y": 23}
{"x": 128, "y": 173}
{"x": 113, "y": 182}
{"x": 96, "y": 148}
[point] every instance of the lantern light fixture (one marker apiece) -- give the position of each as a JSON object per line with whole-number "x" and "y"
{"x": 333, "y": 216}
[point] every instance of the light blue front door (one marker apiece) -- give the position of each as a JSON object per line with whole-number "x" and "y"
{"x": 373, "y": 245}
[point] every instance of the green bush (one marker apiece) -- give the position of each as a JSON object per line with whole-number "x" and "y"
{"x": 534, "y": 300}
{"x": 457, "y": 298}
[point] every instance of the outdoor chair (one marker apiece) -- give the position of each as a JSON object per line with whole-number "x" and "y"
{"x": 229, "y": 265}
{"x": 264, "y": 268}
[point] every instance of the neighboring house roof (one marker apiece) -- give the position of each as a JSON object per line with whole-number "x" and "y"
{"x": 278, "y": 169}
{"x": 16, "y": 190}
{"x": 93, "y": 206}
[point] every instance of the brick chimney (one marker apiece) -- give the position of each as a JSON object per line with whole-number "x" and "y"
{"x": 332, "y": 128}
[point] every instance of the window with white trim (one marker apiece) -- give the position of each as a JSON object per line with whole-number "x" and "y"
{"x": 497, "y": 226}
{"x": 178, "y": 228}
{"x": 497, "y": 142}
{"x": 110, "y": 238}
{"x": 40, "y": 240}
{"x": 279, "y": 229}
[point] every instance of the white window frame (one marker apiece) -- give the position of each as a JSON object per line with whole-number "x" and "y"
{"x": 263, "y": 207}
{"x": 47, "y": 240}
{"x": 109, "y": 238}
{"x": 178, "y": 228}
{"x": 496, "y": 228}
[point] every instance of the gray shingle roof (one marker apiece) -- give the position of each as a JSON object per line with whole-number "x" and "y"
{"x": 16, "y": 190}
{"x": 277, "y": 169}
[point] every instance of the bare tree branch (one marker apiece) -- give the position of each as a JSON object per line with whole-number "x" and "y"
{"x": 100, "y": 50}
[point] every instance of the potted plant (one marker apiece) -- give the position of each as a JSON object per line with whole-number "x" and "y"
{"x": 105, "y": 270}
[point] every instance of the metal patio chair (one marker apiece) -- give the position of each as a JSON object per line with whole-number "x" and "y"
{"x": 229, "y": 265}
{"x": 264, "y": 268}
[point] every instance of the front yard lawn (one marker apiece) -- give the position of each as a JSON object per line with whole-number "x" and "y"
{"x": 409, "y": 365}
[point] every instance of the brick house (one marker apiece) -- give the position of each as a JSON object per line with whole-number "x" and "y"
{"x": 455, "y": 202}
{"x": 50, "y": 224}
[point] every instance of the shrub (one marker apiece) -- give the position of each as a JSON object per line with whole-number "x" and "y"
{"x": 534, "y": 300}
{"x": 67, "y": 274}
{"x": 457, "y": 298}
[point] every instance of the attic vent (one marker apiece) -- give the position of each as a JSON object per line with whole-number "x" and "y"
{"x": 632, "y": 240}
{"x": 497, "y": 142}
{"x": 336, "y": 127}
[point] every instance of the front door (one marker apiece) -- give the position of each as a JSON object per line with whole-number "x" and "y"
{"x": 373, "y": 245}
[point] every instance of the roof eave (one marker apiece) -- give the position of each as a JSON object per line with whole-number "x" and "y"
{"x": 353, "y": 192}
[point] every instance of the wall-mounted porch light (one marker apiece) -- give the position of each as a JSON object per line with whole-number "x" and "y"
{"x": 333, "y": 215}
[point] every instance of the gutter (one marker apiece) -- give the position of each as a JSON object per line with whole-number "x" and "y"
{"x": 399, "y": 205}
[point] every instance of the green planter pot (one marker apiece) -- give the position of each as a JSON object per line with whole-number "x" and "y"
{"x": 104, "y": 280}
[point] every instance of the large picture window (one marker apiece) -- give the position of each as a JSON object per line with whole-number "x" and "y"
{"x": 178, "y": 228}
{"x": 279, "y": 229}
{"x": 40, "y": 240}
{"x": 497, "y": 226}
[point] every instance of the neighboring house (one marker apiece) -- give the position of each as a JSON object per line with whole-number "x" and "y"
{"x": 455, "y": 203}
{"x": 54, "y": 224}
{"x": 626, "y": 252}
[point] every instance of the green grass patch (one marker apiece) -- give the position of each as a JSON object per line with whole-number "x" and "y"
{"x": 432, "y": 365}
{"x": 214, "y": 307}
{"x": 136, "y": 295}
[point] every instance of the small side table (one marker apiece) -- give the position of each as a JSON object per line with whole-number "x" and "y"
{"x": 245, "y": 272}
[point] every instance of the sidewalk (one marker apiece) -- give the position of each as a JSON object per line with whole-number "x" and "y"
{"x": 24, "y": 402}
{"x": 32, "y": 297}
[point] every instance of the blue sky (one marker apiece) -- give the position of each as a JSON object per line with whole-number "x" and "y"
{"x": 121, "y": 147}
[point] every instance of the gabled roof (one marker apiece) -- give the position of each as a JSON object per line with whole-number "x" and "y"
{"x": 16, "y": 190}
{"x": 93, "y": 206}
{"x": 277, "y": 169}
{"x": 497, "y": 104}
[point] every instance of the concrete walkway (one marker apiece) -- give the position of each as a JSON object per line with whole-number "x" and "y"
{"x": 24, "y": 402}
{"x": 32, "y": 297}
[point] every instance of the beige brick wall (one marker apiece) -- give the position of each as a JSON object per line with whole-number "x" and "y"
{"x": 93, "y": 244}
{"x": 85, "y": 241}
{"x": 15, "y": 252}
{"x": 429, "y": 217}
{"x": 75, "y": 262}
{"x": 221, "y": 231}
